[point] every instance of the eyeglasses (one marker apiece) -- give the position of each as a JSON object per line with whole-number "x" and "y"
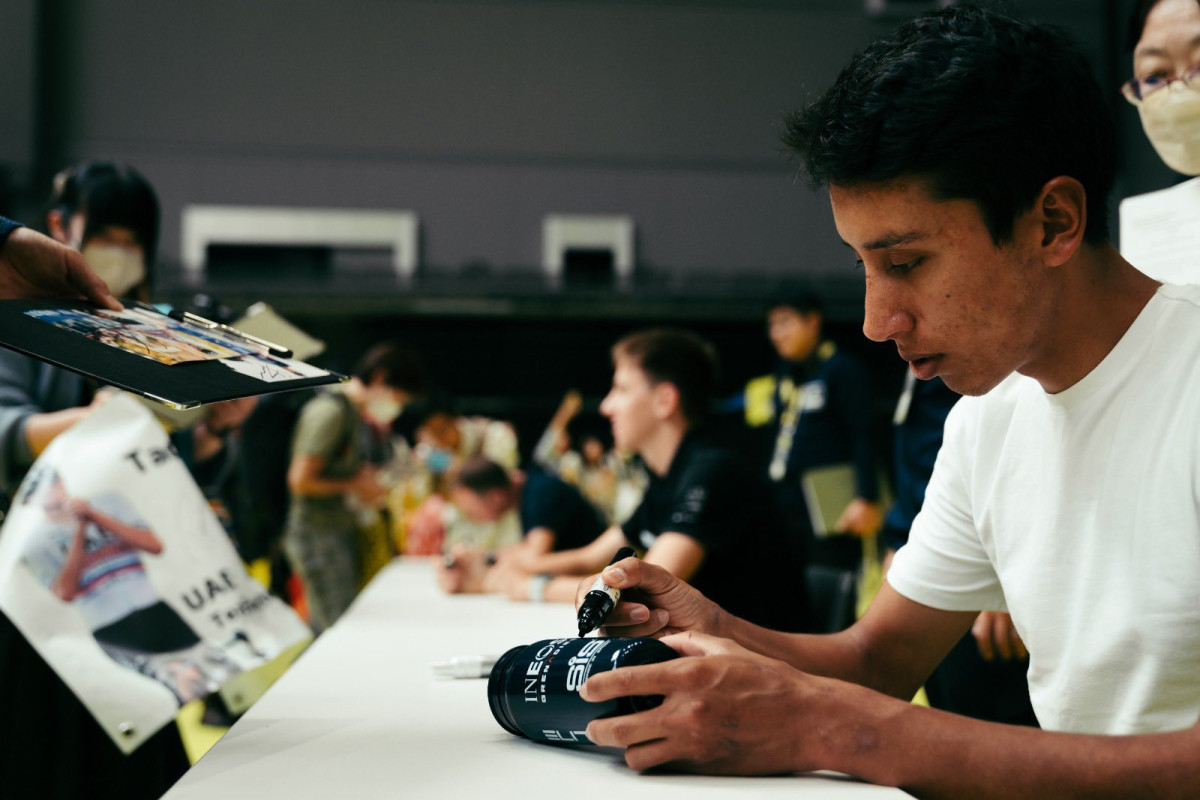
{"x": 1138, "y": 89}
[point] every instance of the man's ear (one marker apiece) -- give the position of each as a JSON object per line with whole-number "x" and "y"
{"x": 1060, "y": 212}
{"x": 665, "y": 398}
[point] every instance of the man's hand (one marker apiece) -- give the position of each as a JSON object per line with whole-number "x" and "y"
{"x": 34, "y": 265}
{"x": 996, "y": 635}
{"x": 654, "y": 602}
{"x": 727, "y": 711}
{"x": 465, "y": 570}
{"x": 80, "y": 508}
{"x": 367, "y": 487}
{"x": 861, "y": 518}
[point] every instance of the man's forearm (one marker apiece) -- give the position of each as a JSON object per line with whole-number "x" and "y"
{"x": 41, "y": 429}
{"x": 66, "y": 584}
{"x": 132, "y": 535}
{"x": 933, "y": 754}
{"x": 892, "y": 649}
{"x": 829, "y": 655}
{"x": 565, "y": 562}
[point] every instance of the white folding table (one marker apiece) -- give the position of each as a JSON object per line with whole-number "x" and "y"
{"x": 361, "y": 716}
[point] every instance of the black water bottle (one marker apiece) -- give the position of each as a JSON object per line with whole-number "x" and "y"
{"x": 534, "y": 689}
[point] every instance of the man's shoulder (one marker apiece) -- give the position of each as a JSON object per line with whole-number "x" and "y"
{"x": 842, "y": 362}
{"x": 704, "y": 462}
{"x": 1182, "y": 299}
{"x": 540, "y": 483}
{"x": 323, "y": 406}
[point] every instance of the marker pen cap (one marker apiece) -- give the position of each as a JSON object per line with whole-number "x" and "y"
{"x": 533, "y": 690}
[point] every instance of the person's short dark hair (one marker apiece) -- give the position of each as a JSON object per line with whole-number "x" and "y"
{"x": 985, "y": 107}
{"x": 109, "y": 194}
{"x": 678, "y": 357}
{"x": 401, "y": 367}
{"x": 800, "y": 298}
{"x": 437, "y": 404}
{"x": 482, "y": 475}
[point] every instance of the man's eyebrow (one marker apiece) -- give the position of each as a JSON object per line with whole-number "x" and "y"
{"x": 895, "y": 239}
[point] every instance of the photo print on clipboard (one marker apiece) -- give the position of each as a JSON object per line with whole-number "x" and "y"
{"x": 147, "y": 334}
{"x": 169, "y": 341}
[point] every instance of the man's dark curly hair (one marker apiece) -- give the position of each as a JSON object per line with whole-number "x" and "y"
{"x": 983, "y": 106}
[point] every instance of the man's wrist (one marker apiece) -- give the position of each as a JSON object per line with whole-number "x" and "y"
{"x": 537, "y": 588}
{"x": 865, "y": 729}
{"x": 725, "y": 625}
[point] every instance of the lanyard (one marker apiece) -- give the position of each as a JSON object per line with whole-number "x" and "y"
{"x": 794, "y": 396}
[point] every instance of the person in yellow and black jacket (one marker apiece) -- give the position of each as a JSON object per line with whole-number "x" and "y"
{"x": 818, "y": 409}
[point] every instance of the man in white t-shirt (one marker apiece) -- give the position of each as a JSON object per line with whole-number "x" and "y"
{"x": 968, "y": 158}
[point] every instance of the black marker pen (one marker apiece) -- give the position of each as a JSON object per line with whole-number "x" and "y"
{"x": 600, "y": 599}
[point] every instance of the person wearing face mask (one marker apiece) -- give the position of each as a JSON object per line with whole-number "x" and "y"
{"x": 110, "y": 214}
{"x": 341, "y": 438}
{"x": 1165, "y": 88}
{"x": 47, "y": 737}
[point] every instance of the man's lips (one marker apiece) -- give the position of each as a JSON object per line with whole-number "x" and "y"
{"x": 923, "y": 365}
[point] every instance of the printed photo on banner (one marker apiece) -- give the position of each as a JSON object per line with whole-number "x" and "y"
{"x": 146, "y": 333}
{"x": 116, "y": 570}
{"x": 88, "y": 552}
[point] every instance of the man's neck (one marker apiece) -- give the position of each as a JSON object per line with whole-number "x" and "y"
{"x": 1098, "y": 301}
{"x": 800, "y": 361}
{"x": 659, "y": 450}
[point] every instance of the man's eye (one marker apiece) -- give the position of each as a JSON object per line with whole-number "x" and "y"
{"x": 906, "y": 267}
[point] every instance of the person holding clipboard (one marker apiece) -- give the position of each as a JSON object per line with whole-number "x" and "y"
{"x": 104, "y": 221}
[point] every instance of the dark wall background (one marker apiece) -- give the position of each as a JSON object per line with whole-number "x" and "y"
{"x": 482, "y": 116}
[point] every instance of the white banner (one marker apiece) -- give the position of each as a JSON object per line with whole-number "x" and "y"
{"x": 118, "y": 573}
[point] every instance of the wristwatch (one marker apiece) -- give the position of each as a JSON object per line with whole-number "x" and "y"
{"x": 537, "y": 588}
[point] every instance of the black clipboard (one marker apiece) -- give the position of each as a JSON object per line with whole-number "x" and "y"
{"x": 179, "y": 385}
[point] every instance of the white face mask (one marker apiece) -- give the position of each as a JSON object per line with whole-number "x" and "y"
{"x": 121, "y": 268}
{"x": 384, "y": 410}
{"x": 1171, "y": 118}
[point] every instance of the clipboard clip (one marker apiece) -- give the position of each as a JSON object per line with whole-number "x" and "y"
{"x": 195, "y": 319}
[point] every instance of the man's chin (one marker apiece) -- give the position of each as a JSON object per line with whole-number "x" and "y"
{"x": 970, "y": 385}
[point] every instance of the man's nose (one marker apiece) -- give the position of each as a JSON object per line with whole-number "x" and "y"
{"x": 884, "y": 317}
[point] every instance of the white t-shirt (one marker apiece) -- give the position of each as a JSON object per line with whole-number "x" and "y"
{"x": 1079, "y": 513}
